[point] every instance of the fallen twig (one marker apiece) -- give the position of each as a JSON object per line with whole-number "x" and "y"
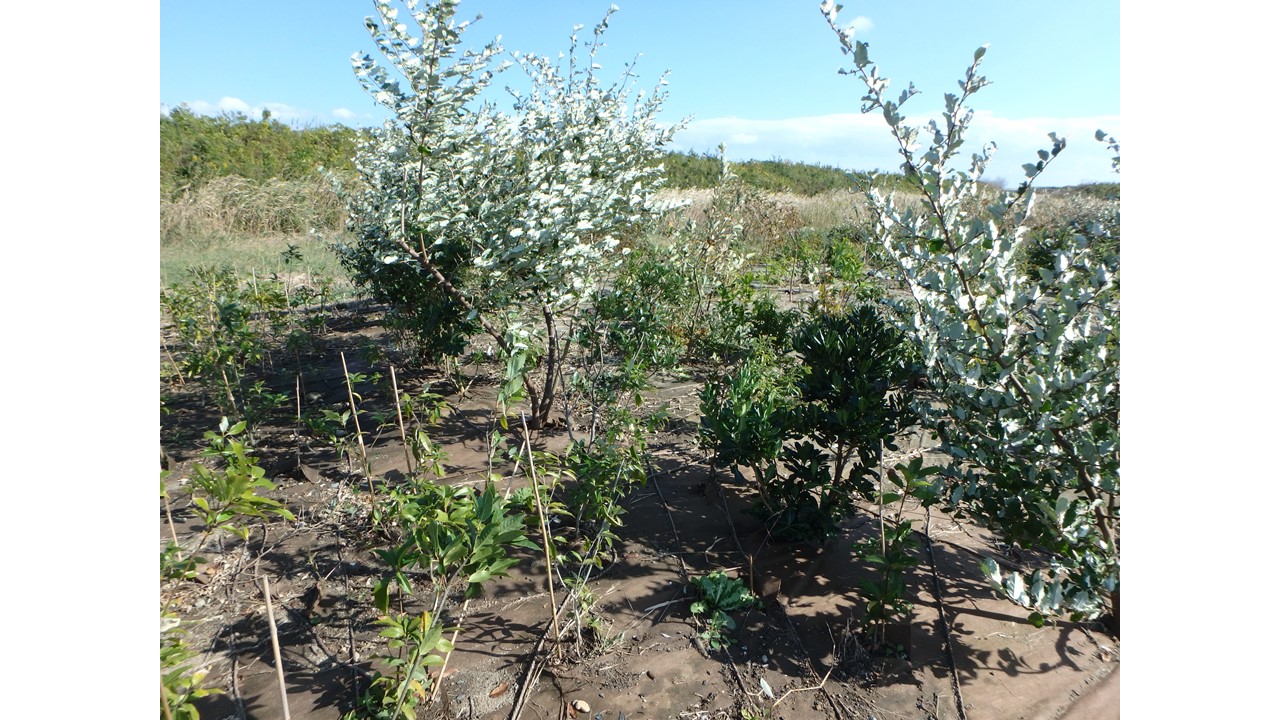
{"x": 819, "y": 686}
{"x": 651, "y": 608}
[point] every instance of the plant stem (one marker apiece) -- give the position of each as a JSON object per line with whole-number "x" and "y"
{"x": 275, "y": 646}
{"x": 413, "y": 664}
{"x": 546, "y": 533}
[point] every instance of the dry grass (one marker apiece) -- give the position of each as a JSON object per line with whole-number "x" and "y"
{"x": 235, "y": 206}
{"x": 1063, "y": 207}
{"x": 249, "y": 225}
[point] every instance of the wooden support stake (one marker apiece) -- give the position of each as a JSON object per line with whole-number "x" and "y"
{"x": 181, "y": 380}
{"x": 275, "y": 646}
{"x": 408, "y": 456}
{"x": 435, "y": 691}
{"x": 355, "y": 416}
{"x": 546, "y": 536}
{"x": 230, "y": 395}
{"x": 297, "y": 449}
{"x": 164, "y": 700}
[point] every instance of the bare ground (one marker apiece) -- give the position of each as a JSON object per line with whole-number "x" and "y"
{"x": 967, "y": 652}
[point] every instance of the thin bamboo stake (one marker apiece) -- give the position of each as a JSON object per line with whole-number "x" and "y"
{"x": 408, "y": 456}
{"x": 546, "y": 534}
{"x": 297, "y": 393}
{"x": 435, "y": 691}
{"x": 351, "y": 398}
{"x": 169, "y": 514}
{"x": 164, "y": 700}
{"x": 275, "y": 646}
{"x": 181, "y": 380}
{"x": 884, "y": 550}
{"x": 230, "y": 395}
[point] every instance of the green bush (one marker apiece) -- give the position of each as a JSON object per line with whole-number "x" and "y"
{"x": 824, "y": 417}
{"x": 702, "y": 170}
{"x": 747, "y": 416}
{"x": 642, "y": 315}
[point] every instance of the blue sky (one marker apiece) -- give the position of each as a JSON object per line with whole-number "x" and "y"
{"x": 758, "y": 75}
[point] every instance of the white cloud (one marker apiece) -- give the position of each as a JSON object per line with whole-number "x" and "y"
{"x": 861, "y": 24}
{"x": 862, "y": 142}
{"x": 287, "y": 114}
{"x": 226, "y": 104}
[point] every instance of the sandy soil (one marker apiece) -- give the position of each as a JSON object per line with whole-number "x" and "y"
{"x": 970, "y": 654}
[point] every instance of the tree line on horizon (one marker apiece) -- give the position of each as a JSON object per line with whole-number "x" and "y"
{"x": 195, "y": 149}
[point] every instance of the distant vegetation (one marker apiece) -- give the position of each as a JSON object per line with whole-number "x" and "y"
{"x": 692, "y": 170}
{"x": 195, "y": 149}
{"x": 228, "y": 175}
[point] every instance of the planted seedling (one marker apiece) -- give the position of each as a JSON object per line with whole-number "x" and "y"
{"x": 230, "y": 495}
{"x": 217, "y": 338}
{"x": 175, "y": 565}
{"x": 746, "y": 417}
{"x": 721, "y": 595}
{"x": 259, "y": 401}
{"x": 458, "y": 537}
{"x": 180, "y": 684}
{"x": 893, "y": 553}
{"x": 415, "y": 641}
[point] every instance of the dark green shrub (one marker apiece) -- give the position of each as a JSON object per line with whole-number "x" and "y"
{"x": 746, "y": 417}
{"x": 420, "y": 311}
{"x": 824, "y": 418}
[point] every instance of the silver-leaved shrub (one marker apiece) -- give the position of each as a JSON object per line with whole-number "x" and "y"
{"x": 1027, "y": 368}
{"x": 468, "y": 219}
